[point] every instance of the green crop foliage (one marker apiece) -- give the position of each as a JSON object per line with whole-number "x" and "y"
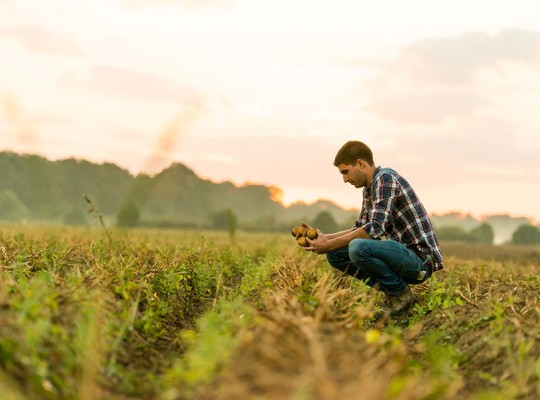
{"x": 106, "y": 313}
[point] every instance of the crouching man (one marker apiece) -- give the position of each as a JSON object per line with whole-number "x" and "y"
{"x": 392, "y": 244}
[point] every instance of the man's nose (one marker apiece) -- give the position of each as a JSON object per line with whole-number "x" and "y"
{"x": 345, "y": 178}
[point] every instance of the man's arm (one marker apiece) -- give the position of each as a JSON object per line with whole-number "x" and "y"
{"x": 325, "y": 243}
{"x": 337, "y": 234}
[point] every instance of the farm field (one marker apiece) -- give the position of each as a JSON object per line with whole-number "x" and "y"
{"x": 149, "y": 314}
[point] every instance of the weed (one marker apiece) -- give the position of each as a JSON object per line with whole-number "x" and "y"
{"x": 97, "y": 215}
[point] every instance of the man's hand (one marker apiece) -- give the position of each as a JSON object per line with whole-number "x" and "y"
{"x": 318, "y": 245}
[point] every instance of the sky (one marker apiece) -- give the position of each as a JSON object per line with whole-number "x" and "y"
{"x": 266, "y": 92}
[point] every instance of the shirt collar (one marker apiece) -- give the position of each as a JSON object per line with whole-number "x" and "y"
{"x": 377, "y": 170}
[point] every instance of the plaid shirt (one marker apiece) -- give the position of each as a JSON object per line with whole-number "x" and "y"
{"x": 392, "y": 210}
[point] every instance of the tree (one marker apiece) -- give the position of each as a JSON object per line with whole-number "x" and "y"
{"x": 225, "y": 220}
{"x": 325, "y": 222}
{"x": 526, "y": 235}
{"x": 11, "y": 207}
{"x": 75, "y": 217}
{"x": 452, "y": 233}
{"x": 483, "y": 233}
{"x": 129, "y": 215}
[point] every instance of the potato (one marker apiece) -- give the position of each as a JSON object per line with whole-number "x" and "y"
{"x": 302, "y": 241}
{"x": 299, "y": 231}
{"x": 312, "y": 233}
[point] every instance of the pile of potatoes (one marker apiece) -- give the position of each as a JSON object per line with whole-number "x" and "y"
{"x": 303, "y": 232}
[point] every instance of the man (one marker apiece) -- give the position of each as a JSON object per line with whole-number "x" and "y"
{"x": 390, "y": 210}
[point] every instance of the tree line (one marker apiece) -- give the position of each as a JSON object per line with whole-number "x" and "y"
{"x": 34, "y": 189}
{"x": 525, "y": 234}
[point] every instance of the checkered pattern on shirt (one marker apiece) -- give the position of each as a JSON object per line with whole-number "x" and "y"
{"x": 392, "y": 210}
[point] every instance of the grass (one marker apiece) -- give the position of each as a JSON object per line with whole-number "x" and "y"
{"x": 87, "y": 314}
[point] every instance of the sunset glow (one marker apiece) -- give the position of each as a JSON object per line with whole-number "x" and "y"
{"x": 267, "y": 92}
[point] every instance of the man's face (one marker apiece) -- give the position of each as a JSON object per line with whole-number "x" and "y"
{"x": 354, "y": 174}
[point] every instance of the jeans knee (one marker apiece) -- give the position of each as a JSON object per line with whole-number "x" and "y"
{"x": 357, "y": 249}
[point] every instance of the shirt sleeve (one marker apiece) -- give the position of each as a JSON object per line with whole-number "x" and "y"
{"x": 383, "y": 199}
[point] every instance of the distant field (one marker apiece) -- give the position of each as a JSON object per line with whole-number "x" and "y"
{"x": 150, "y": 314}
{"x": 510, "y": 253}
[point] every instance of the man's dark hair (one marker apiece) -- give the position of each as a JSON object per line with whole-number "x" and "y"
{"x": 352, "y": 151}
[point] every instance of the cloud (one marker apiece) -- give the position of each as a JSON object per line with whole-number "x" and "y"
{"x": 188, "y": 4}
{"x": 416, "y": 104}
{"x": 456, "y": 105}
{"x": 40, "y": 40}
{"x": 127, "y": 83}
{"x": 454, "y": 60}
{"x": 473, "y": 150}
{"x": 264, "y": 159}
{"x": 206, "y": 3}
{"x": 168, "y": 139}
{"x": 435, "y": 80}
{"x": 22, "y": 128}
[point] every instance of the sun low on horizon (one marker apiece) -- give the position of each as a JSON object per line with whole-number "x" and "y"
{"x": 267, "y": 92}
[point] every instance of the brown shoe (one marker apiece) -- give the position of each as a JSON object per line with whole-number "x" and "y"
{"x": 398, "y": 304}
{"x": 401, "y": 302}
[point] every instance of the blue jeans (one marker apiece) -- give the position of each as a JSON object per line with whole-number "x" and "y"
{"x": 384, "y": 264}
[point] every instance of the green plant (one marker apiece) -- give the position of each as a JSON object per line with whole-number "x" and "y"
{"x": 186, "y": 314}
{"x": 439, "y": 295}
{"x": 97, "y": 215}
{"x": 209, "y": 349}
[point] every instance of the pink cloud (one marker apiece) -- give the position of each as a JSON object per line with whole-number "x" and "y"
{"x": 263, "y": 159}
{"x": 128, "y": 83}
{"x": 433, "y": 80}
{"x": 40, "y": 40}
